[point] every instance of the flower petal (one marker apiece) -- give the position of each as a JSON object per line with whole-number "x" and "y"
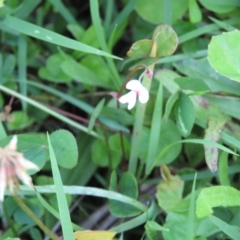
{"x": 143, "y": 95}
{"x": 3, "y": 182}
{"x": 134, "y": 85}
{"x": 24, "y": 177}
{"x": 12, "y": 144}
{"x": 26, "y": 164}
{"x": 129, "y": 98}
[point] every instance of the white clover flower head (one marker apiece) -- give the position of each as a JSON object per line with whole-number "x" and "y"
{"x": 137, "y": 91}
{"x": 13, "y": 166}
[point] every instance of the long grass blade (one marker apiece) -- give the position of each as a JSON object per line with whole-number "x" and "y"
{"x": 49, "y": 36}
{"x": 61, "y": 198}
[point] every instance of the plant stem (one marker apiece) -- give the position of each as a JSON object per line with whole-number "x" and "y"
{"x": 29, "y": 212}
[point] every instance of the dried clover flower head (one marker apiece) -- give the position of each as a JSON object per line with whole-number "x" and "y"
{"x": 13, "y": 166}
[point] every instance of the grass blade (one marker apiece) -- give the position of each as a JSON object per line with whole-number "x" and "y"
{"x": 22, "y": 67}
{"x": 66, "y": 14}
{"x": 191, "y": 213}
{"x": 61, "y": 198}
{"x": 101, "y": 38}
{"x": 89, "y": 191}
{"x": 49, "y": 36}
{"x": 53, "y": 211}
{"x": 155, "y": 129}
{"x": 49, "y": 111}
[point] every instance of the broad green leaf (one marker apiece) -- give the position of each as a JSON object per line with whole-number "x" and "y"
{"x": 118, "y": 115}
{"x": 65, "y": 148}
{"x": 154, "y": 12}
{"x": 115, "y": 144}
{"x": 22, "y": 217}
{"x": 140, "y": 49}
{"x": 194, "y": 84}
{"x": 127, "y": 186}
{"x": 216, "y": 196}
{"x": 99, "y": 67}
{"x": 169, "y": 105}
{"x": 166, "y": 40}
{"x": 94, "y": 235}
{"x": 152, "y": 228}
{"x": 231, "y": 231}
{"x": 169, "y": 191}
{"x": 2, "y": 3}
{"x": 185, "y": 114}
{"x": 109, "y": 155}
{"x": 195, "y": 13}
{"x": 215, "y": 126}
{"x": 175, "y": 233}
{"x": 224, "y": 54}
{"x": 9, "y": 64}
{"x": 82, "y": 74}
{"x": 169, "y": 134}
{"x": 100, "y": 153}
{"x": 219, "y": 6}
{"x": 53, "y": 71}
{"x": 20, "y": 121}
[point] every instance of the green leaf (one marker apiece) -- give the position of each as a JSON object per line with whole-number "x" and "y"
{"x": 65, "y": 148}
{"x": 100, "y": 153}
{"x": 219, "y": 6}
{"x": 127, "y": 186}
{"x": 215, "y": 126}
{"x": 20, "y": 121}
{"x": 152, "y": 228}
{"x": 194, "y": 84}
{"x": 169, "y": 105}
{"x": 224, "y": 54}
{"x": 195, "y": 13}
{"x": 185, "y": 114}
{"x": 166, "y": 40}
{"x": 154, "y": 12}
{"x": 118, "y": 115}
{"x": 110, "y": 154}
{"x": 82, "y": 74}
{"x": 216, "y": 196}
{"x": 179, "y": 232}
{"x": 53, "y": 71}
{"x": 140, "y": 49}
{"x": 21, "y": 217}
{"x": 169, "y": 191}
{"x": 169, "y": 134}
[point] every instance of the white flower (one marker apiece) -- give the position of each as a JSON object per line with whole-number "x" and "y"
{"x": 137, "y": 91}
{"x": 13, "y": 166}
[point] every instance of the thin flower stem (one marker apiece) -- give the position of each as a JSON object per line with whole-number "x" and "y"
{"x": 29, "y": 212}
